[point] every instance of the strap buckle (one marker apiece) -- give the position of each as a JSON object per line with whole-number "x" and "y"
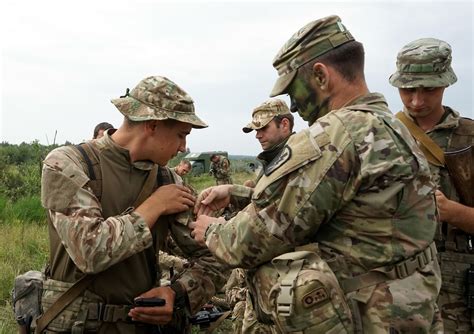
{"x": 418, "y": 261}
{"x": 285, "y": 298}
{"x": 113, "y": 313}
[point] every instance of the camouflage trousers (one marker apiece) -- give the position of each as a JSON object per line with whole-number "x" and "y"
{"x": 457, "y": 318}
{"x": 250, "y": 324}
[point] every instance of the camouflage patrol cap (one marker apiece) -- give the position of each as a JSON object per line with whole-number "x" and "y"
{"x": 313, "y": 40}
{"x": 158, "y": 98}
{"x": 425, "y": 62}
{"x": 264, "y": 113}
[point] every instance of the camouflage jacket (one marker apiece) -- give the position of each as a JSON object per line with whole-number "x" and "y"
{"x": 101, "y": 236}
{"x": 443, "y": 134}
{"x": 355, "y": 182}
{"x": 221, "y": 169}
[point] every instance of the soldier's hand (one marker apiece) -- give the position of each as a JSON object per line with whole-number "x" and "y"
{"x": 174, "y": 198}
{"x": 157, "y": 315}
{"x": 199, "y": 228}
{"x": 444, "y": 206}
{"x": 213, "y": 199}
{"x": 166, "y": 200}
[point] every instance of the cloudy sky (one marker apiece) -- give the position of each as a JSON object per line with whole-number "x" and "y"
{"x": 62, "y": 61}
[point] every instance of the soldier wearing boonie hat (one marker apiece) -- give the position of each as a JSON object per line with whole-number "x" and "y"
{"x": 111, "y": 202}
{"x": 158, "y": 98}
{"x": 425, "y": 62}
{"x": 339, "y": 184}
{"x": 423, "y": 72}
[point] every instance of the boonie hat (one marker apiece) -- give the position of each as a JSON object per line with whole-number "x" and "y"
{"x": 425, "y": 62}
{"x": 158, "y": 98}
{"x": 313, "y": 40}
{"x": 264, "y": 113}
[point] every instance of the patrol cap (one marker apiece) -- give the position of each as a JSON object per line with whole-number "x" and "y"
{"x": 313, "y": 40}
{"x": 264, "y": 113}
{"x": 425, "y": 62}
{"x": 158, "y": 98}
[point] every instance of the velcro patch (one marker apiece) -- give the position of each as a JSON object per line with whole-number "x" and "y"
{"x": 314, "y": 297}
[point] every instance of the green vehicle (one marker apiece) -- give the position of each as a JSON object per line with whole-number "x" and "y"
{"x": 201, "y": 161}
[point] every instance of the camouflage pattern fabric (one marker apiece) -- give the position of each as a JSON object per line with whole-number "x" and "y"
{"x": 170, "y": 262}
{"x": 111, "y": 239}
{"x": 235, "y": 294}
{"x": 158, "y": 98}
{"x": 221, "y": 170}
{"x": 357, "y": 184}
{"x": 456, "y": 316}
{"x": 265, "y": 112}
{"x": 425, "y": 62}
{"x": 313, "y": 40}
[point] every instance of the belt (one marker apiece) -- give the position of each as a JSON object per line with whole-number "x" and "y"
{"x": 108, "y": 312}
{"x": 399, "y": 270}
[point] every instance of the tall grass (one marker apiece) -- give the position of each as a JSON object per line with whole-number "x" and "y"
{"x": 23, "y": 247}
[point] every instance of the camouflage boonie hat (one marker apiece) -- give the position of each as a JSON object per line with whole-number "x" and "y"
{"x": 425, "y": 62}
{"x": 313, "y": 40}
{"x": 158, "y": 98}
{"x": 264, "y": 113}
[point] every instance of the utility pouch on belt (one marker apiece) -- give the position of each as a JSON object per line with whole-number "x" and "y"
{"x": 304, "y": 295}
{"x": 75, "y": 314}
{"x": 26, "y": 299}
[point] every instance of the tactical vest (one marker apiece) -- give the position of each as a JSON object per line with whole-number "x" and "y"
{"x": 118, "y": 285}
{"x": 455, "y": 251}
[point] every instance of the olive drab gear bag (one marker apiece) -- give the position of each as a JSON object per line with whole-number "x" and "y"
{"x": 26, "y": 299}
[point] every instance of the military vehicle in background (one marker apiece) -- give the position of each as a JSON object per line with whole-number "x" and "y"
{"x": 201, "y": 161}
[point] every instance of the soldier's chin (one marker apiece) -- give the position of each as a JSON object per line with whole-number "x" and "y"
{"x": 416, "y": 113}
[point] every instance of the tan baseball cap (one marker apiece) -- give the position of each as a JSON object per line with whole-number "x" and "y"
{"x": 264, "y": 113}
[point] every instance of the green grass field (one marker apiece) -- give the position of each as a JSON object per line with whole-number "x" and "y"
{"x": 24, "y": 246}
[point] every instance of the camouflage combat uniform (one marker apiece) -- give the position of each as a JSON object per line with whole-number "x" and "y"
{"x": 221, "y": 170}
{"x": 101, "y": 234}
{"x": 426, "y": 62}
{"x": 243, "y": 315}
{"x": 356, "y": 183}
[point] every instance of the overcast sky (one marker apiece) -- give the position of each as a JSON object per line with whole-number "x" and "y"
{"x": 62, "y": 61}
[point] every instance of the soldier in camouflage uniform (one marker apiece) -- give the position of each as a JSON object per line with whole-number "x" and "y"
{"x": 356, "y": 184}
{"x": 273, "y": 124}
{"x": 423, "y": 72}
{"x": 109, "y": 216}
{"x": 220, "y": 169}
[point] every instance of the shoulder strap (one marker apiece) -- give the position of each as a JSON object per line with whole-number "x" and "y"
{"x": 63, "y": 301}
{"x": 92, "y": 163}
{"x": 434, "y": 154}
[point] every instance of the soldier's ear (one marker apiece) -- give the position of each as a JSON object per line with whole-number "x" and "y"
{"x": 150, "y": 126}
{"x": 321, "y": 75}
